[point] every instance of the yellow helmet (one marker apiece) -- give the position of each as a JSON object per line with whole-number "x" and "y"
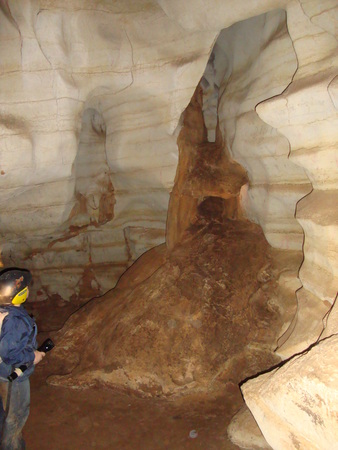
{"x": 14, "y": 286}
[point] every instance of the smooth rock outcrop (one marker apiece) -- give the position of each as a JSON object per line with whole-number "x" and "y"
{"x": 296, "y": 406}
{"x": 261, "y": 62}
{"x": 295, "y": 113}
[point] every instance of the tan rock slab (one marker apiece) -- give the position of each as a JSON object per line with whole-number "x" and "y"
{"x": 296, "y": 406}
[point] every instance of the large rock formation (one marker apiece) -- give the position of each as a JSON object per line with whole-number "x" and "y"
{"x": 196, "y": 316}
{"x": 91, "y": 98}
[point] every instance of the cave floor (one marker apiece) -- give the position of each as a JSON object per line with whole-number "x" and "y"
{"x": 70, "y": 419}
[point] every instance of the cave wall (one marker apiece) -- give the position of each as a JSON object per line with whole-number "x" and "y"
{"x": 296, "y": 205}
{"x": 83, "y": 195}
{"x": 266, "y": 77}
{"x": 63, "y": 59}
{"x": 59, "y": 60}
{"x": 91, "y": 97}
{"x": 312, "y": 146}
{"x": 261, "y": 64}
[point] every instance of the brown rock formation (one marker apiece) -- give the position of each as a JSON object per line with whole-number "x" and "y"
{"x": 204, "y": 170}
{"x": 193, "y": 316}
{"x": 201, "y": 317}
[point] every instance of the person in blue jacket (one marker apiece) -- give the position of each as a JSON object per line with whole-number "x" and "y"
{"x": 17, "y": 347}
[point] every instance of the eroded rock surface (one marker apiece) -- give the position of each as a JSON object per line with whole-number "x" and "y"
{"x": 196, "y": 314}
{"x": 205, "y": 316}
{"x": 91, "y": 96}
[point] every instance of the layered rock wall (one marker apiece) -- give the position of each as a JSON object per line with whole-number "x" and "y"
{"x": 91, "y": 93}
{"x": 261, "y": 64}
{"x": 306, "y": 114}
{"x": 279, "y": 119}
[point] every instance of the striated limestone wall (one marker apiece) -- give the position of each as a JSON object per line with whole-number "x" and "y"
{"x": 90, "y": 95}
{"x": 275, "y": 77}
{"x": 306, "y": 114}
{"x": 260, "y": 64}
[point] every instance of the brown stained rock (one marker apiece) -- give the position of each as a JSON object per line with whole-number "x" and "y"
{"x": 180, "y": 327}
{"x": 144, "y": 267}
{"x": 191, "y": 316}
{"x": 212, "y": 174}
{"x": 194, "y": 315}
{"x": 52, "y": 313}
{"x": 204, "y": 170}
{"x": 106, "y": 204}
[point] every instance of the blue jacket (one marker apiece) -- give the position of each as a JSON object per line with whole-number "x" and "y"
{"x": 17, "y": 341}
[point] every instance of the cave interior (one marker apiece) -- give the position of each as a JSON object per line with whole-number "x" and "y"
{"x": 174, "y": 196}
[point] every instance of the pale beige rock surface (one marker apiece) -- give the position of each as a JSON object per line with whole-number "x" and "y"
{"x": 261, "y": 63}
{"x": 91, "y": 93}
{"x": 296, "y": 406}
{"x": 306, "y": 417}
{"x": 307, "y": 115}
{"x": 330, "y": 321}
{"x": 96, "y": 101}
{"x": 306, "y": 327}
{"x": 244, "y": 432}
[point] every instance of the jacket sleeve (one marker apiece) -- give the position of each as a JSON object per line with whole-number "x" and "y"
{"x": 15, "y": 348}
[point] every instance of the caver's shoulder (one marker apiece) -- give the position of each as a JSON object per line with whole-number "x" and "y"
{"x": 3, "y": 314}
